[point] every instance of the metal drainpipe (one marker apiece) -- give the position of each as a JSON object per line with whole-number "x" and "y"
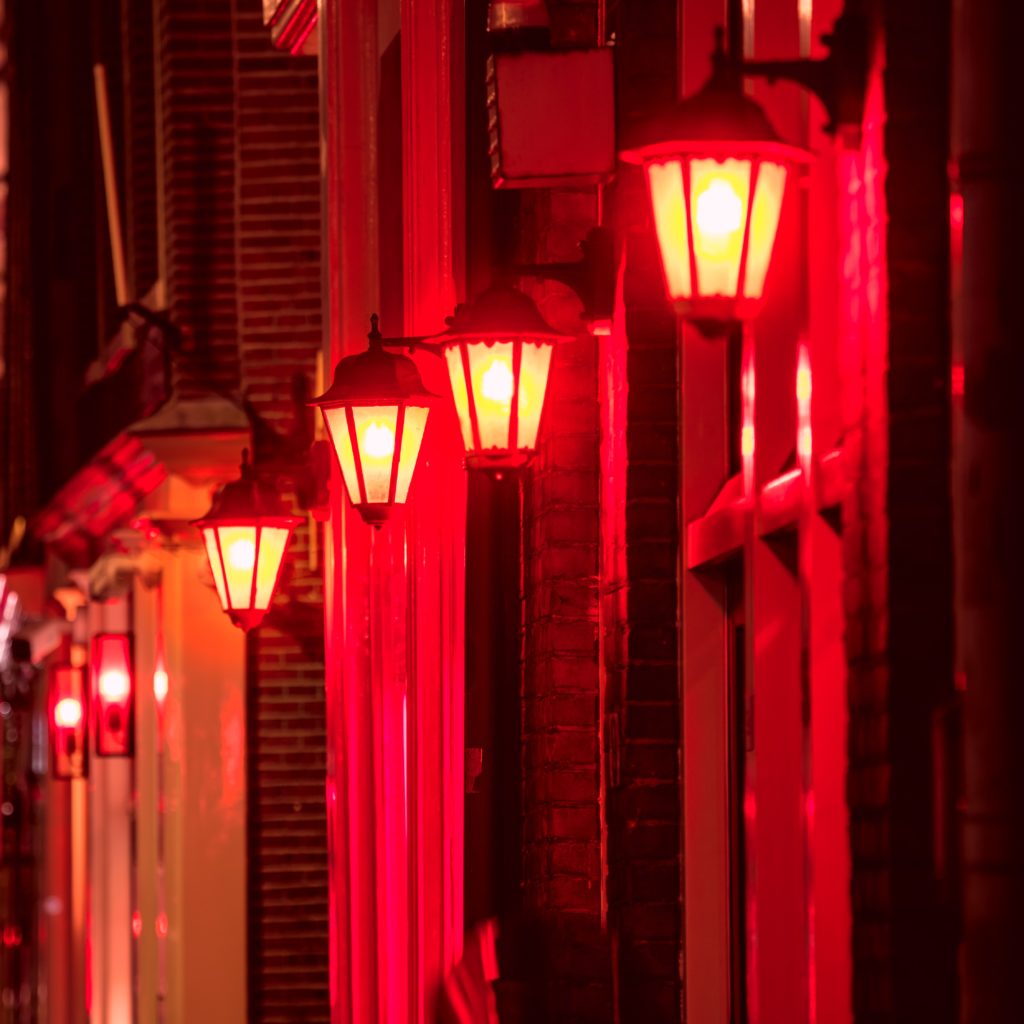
{"x": 989, "y": 500}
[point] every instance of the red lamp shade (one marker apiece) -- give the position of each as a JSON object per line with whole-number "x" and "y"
{"x": 246, "y": 534}
{"x": 716, "y": 175}
{"x": 376, "y": 413}
{"x": 498, "y": 350}
{"x": 113, "y": 694}
{"x": 69, "y": 753}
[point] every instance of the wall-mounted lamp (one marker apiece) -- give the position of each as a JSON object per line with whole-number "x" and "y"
{"x": 69, "y": 755}
{"x": 376, "y": 413}
{"x": 498, "y": 350}
{"x": 246, "y": 533}
{"x": 716, "y": 176}
{"x": 113, "y": 694}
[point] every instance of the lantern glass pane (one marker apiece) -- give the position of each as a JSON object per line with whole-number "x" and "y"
{"x": 668, "y": 203}
{"x": 493, "y": 382}
{"x": 719, "y": 205}
{"x": 238, "y": 544}
{"x": 460, "y": 394}
{"x": 764, "y": 222}
{"x": 533, "y": 382}
{"x": 412, "y": 439}
{"x": 336, "y": 420}
{"x": 210, "y": 538}
{"x": 273, "y": 540}
{"x": 376, "y": 426}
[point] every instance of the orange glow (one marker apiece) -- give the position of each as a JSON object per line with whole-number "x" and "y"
{"x": 68, "y": 713}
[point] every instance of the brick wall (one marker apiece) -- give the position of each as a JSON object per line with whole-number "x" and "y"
{"x": 561, "y": 723}
{"x": 242, "y": 233}
{"x": 195, "y": 84}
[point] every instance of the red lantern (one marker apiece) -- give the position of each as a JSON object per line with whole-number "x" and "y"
{"x": 246, "y": 534}
{"x": 68, "y": 735}
{"x": 113, "y": 694}
{"x": 716, "y": 175}
{"x": 498, "y": 351}
{"x": 376, "y": 414}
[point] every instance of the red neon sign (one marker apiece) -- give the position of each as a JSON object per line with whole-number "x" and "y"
{"x": 113, "y": 685}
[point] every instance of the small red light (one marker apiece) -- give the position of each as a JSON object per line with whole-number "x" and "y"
{"x": 114, "y": 691}
{"x": 161, "y": 925}
{"x": 68, "y": 719}
{"x": 137, "y": 924}
{"x": 957, "y": 380}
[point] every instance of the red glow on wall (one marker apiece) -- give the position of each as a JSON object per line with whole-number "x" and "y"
{"x": 747, "y": 438}
{"x": 804, "y": 436}
{"x": 161, "y": 926}
{"x": 160, "y": 684}
{"x": 113, "y": 678}
{"x": 12, "y": 936}
{"x": 957, "y": 380}
{"x": 137, "y": 924}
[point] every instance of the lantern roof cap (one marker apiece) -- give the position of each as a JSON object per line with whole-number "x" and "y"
{"x": 500, "y": 311}
{"x": 375, "y": 375}
{"x": 719, "y": 114}
{"x": 247, "y": 498}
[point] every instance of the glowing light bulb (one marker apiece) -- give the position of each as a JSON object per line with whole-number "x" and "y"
{"x": 719, "y": 209}
{"x": 497, "y": 382}
{"x": 242, "y": 554}
{"x": 747, "y": 442}
{"x": 114, "y": 685}
{"x": 379, "y": 441}
{"x": 68, "y": 713}
{"x": 804, "y": 443}
{"x": 160, "y": 684}
{"x": 803, "y": 383}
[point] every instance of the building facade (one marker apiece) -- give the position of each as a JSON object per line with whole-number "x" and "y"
{"x": 705, "y": 714}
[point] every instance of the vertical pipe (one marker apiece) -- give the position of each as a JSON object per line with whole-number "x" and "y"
{"x": 989, "y": 495}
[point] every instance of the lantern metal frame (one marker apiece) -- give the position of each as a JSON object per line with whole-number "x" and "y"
{"x": 718, "y": 123}
{"x": 500, "y": 315}
{"x": 101, "y": 708}
{"x": 248, "y": 503}
{"x": 373, "y": 378}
